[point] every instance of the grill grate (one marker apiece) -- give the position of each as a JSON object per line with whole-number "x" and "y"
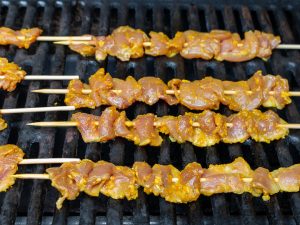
{"x": 33, "y": 202}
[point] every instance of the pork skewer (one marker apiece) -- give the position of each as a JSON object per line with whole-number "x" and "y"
{"x": 119, "y": 182}
{"x": 208, "y": 93}
{"x": 201, "y": 129}
{"x": 127, "y": 43}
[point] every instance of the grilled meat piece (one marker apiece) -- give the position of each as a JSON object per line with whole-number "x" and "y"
{"x": 10, "y": 156}
{"x": 12, "y": 74}
{"x": 70, "y": 179}
{"x": 3, "y": 124}
{"x": 22, "y": 38}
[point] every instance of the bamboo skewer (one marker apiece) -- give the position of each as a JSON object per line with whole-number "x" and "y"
{"x": 148, "y": 44}
{"x": 37, "y": 109}
{"x": 130, "y": 124}
{"x": 60, "y": 38}
{"x": 47, "y": 161}
{"x": 170, "y": 92}
{"x": 47, "y": 177}
{"x": 48, "y": 77}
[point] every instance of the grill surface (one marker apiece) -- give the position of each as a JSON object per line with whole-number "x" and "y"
{"x": 33, "y": 202}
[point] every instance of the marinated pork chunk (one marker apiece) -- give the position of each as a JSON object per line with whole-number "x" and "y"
{"x": 200, "y": 94}
{"x": 226, "y": 178}
{"x": 264, "y": 127}
{"x": 22, "y": 38}
{"x": 12, "y": 75}
{"x": 76, "y": 98}
{"x": 170, "y": 183}
{"x": 264, "y": 184}
{"x": 208, "y": 93}
{"x": 269, "y": 91}
{"x": 126, "y": 43}
{"x": 70, "y": 179}
{"x": 153, "y": 89}
{"x": 85, "y": 49}
{"x": 204, "y": 129}
{"x": 142, "y": 130}
{"x": 95, "y": 128}
{"x": 166, "y": 181}
{"x": 160, "y": 44}
{"x": 3, "y": 124}
{"x": 10, "y": 156}
{"x": 288, "y": 179}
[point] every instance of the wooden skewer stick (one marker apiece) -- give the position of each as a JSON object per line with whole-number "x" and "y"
{"x": 47, "y": 161}
{"x": 37, "y": 109}
{"x": 32, "y": 176}
{"x": 170, "y": 92}
{"x": 148, "y": 44}
{"x": 130, "y": 124}
{"x": 47, "y": 177}
{"x": 60, "y": 38}
{"x": 48, "y": 77}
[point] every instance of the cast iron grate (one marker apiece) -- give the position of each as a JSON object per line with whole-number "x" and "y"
{"x": 33, "y": 202}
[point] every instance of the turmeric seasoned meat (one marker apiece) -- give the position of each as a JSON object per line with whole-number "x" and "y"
{"x": 3, "y": 124}
{"x": 160, "y": 44}
{"x": 126, "y": 43}
{"x": 94, "y": 128}
{"x": 208, "y": 93}
{"x": 22, "y": 38}
{"x": 203, "y": 129}
{"x": 76, "y": 98}
{"x": 198, "y": 95}
{"x": 70, "y": 179}
{"x": 12, "y": 74}
{"x": 10, "y": 156}
{"x": 153, "y": 89}
{"x": 166, "y": 181}
{"x": 288, "y": 179}
{"x": 85, "y": 49}
{"x": 226, "y": 178}
{"x": 264, "y": 184}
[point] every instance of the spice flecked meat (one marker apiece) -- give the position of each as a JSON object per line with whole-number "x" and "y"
{"x": 12, "y": 75}
{"x": 166, "y": 181}
{"x": 208, "y": 93}
{"x": 211, "y": 128}
{"x": 127, "y": 43}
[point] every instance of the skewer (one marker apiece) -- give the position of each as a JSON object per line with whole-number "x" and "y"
{"x": 60, "y": 38}
{"x": 148, "y": 44}
{"x": 48, "y": 161}
{"x": 170, "y": 92}
{"x": 48, "y": 77}
{"x": 47, "y": 177}
{"x": 130, "y": 124}
{"x": 37, "y": 109}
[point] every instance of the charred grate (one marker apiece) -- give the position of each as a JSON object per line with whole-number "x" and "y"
{"x": 33, "y": 202}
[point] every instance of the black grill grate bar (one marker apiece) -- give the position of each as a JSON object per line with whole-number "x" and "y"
{"x": 140, "y": 209}
{"x": 60, "y": 217}
{"x": 167, "y": 210}
{"x": 93, "y": 151}
{"x": 274, "y": 213}
{"x": 12, "y": 198}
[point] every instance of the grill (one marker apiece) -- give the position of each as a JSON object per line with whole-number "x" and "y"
{"x": 33, "y": 202}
